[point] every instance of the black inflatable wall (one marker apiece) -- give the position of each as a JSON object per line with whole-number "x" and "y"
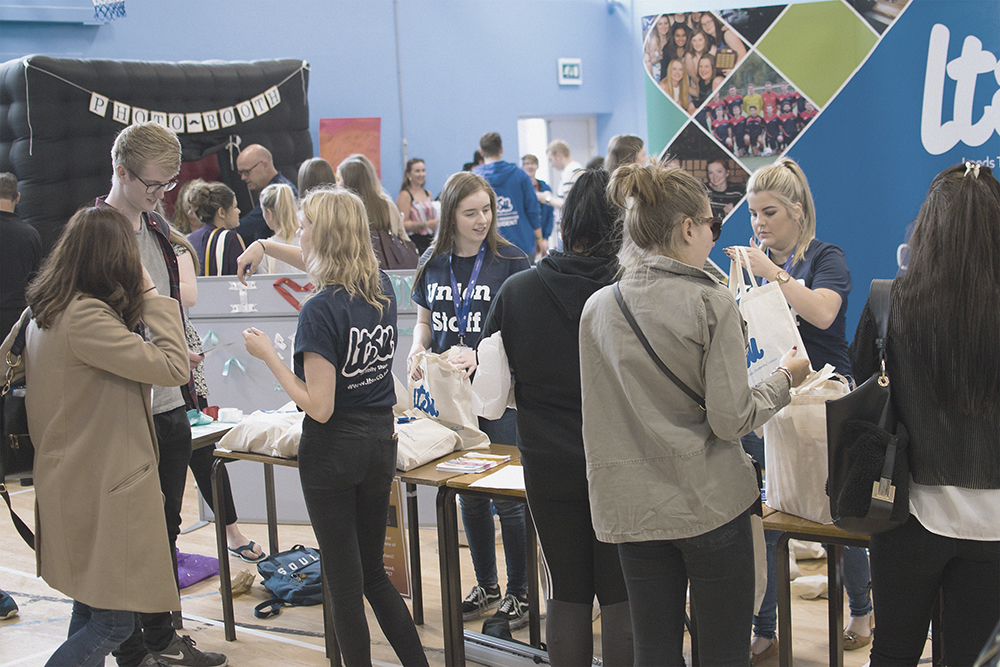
{"x": 60, "y": 151}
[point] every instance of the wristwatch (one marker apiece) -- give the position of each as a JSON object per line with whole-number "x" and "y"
{"x": 548, "y": 198}
{"x": 782, "y": 277}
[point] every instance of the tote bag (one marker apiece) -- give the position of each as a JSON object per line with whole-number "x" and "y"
{"x": 795, "y": 448}
{"x": 771, "y": 327}
{"x": 445, "y": 396}
{"x": 493, "y": 386}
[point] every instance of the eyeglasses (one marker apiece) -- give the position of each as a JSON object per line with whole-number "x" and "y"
{"x": 246, "y": 172}
{"x": 153, "y": 188}
{"x": 716, "y": 223}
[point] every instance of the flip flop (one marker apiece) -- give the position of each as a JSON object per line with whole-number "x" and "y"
{"x": 245, "y": 553}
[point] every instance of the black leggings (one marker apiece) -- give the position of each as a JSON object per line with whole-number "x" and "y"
{"x": 580, "y": 566}
{"x": 346, "y": 468}
{"x": 201, "y": 468}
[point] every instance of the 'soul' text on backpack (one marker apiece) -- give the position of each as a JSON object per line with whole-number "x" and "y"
{"x": 293, "y": 577}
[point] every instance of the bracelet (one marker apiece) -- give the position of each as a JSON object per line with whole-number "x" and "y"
{"x": 787, "y": 373}
{"x": 151, "y": 289}
{"x": 263, "y": 247}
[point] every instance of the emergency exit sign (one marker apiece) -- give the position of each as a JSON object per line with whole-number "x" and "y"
{"x": 570, "y": 72}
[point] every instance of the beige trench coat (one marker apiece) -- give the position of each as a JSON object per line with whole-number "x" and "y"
{"x": 100, "y": 531}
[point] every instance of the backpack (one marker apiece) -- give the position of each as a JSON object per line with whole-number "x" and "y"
{"x": 293, "y": 577}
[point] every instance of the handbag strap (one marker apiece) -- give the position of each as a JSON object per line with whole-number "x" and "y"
{"x": 14, "y": 353}
{"x": 883, "y": 491}
{"x": 22, "y": 528}
{"x": 649, "y": 349}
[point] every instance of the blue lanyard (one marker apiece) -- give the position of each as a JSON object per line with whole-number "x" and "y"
{"x": 464, "y": 304}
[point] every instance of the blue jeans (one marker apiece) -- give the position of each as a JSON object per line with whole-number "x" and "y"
{"x": 910, "y": 565}
{"x": 857, "y": 577}
{"x": 93, "y": 634}
{"x": 477, "y": 517}
{"x": 346, "y": 468}
{"x": 719, "y": 566}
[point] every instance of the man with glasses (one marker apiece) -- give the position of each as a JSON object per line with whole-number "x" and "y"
{"x": 146, "y": 158}
{"x": 256, "y": 168}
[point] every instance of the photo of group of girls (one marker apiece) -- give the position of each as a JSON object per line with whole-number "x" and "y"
{"x": 689, "y": 54}
{"x": 757, "y": 120}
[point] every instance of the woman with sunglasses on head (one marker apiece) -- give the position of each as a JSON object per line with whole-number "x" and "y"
{"x": 815, "y": 282}
{"x": 691, "y": 521}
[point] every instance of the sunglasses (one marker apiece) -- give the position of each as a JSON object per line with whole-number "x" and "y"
{"x": 716, "y": 223}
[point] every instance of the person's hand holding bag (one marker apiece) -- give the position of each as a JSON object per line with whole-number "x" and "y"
{"x": 797, "y": 366}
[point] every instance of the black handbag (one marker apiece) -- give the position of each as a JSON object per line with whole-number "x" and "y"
{"x": 17, "y": 454}
{"x": 867, "y": 445}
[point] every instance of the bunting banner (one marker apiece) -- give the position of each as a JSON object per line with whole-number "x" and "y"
{"x": 209, "y": 120}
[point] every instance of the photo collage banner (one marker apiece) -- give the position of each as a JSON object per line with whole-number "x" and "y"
{"x": 871, "y": 97}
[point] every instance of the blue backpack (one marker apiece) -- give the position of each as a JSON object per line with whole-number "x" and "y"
{"x": 293, "y": 577}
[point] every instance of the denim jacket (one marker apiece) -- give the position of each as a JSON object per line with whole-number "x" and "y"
{"x": 658, "y": 466}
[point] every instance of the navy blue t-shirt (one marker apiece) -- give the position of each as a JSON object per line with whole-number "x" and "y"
{"x": 433, "y": 292}
{"x": 352, "y": 335}
{"x": 825, "y": 265}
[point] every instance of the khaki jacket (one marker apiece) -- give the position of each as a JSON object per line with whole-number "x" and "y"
{"x": 658, "y": 466}
{"x": 100, "y": 531}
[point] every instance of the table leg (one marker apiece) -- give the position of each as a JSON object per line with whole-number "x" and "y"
{"x": 835, "y": 593}
{"x": 413, "y": 523}
{"x": 272, "y": 510}
{"x": 784, "y": 602}
{"x": 225, "y": 579}
{"x": 531, "y": 544}
{"x": 451, "y": 578}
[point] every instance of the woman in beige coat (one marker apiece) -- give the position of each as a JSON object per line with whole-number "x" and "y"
{"x": 101, "y": 537}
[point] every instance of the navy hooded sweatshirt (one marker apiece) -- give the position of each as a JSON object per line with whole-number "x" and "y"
{"x": 518, "y": 210}
{"x": 538, "y": 314}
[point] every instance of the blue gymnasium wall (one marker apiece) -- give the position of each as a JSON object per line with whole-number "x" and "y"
{"x": 468, "y": 66}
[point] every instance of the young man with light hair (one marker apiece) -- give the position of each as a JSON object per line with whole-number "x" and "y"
{"x": 146, "y": 158}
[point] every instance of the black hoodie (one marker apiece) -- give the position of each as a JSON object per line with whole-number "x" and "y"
{"x": 538, "y": 314}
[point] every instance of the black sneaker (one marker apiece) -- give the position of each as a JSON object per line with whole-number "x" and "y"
{"x": 150, "y": 661}
{"x": 181, "y": 651}
{"x": 514, "y": 610}
{"x": 479, "y": 601}
{"x": 8, "y": 608}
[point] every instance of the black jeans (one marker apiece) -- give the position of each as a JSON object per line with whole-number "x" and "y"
{"x": 153, "y": 632}
{"x": 201, "y": 467}
{"x": 346, "y": 468}
{"x": 580, "y": 566}
{"x": 909, "y": 566}
{"x": 719, "y": 565}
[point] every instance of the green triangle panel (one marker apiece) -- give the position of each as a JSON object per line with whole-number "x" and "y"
{"x": 664, "y": 118}
{"x": 817, "y": 46}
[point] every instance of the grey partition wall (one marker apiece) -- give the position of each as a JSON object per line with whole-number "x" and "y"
{"x": 236, "y": 380}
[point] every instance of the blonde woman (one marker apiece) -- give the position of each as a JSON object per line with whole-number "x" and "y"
{"x": 675, "y": 83}
{"x": 344, "y": 345}
{"x": 277, "y": 201}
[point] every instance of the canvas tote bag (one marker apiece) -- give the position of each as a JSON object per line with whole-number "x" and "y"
{"x": 445, "y": 396}
{"x": 771, "y": 327}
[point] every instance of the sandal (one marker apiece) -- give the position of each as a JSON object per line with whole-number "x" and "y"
{"x": 246, "y": 554}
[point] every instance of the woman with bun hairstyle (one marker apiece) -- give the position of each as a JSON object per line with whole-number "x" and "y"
{"x": 691, "y": 522}
{"x": 217, "y": 244}
{"x": 342, "y": 380}
{"x": 277, "y": 202}
{"x": 101, "y": 533}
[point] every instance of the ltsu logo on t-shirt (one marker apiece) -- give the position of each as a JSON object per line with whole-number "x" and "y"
{"x": 445, "y": 322}
{"x": 368, "y": 352}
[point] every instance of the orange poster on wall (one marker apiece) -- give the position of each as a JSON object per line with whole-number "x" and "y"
{"x": 340, "y": 137}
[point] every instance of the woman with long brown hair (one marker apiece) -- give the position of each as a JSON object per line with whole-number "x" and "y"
{"x": 453, "y": 290}
{"x": 99, "y": 504}
{"x": 944, "y": 325}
